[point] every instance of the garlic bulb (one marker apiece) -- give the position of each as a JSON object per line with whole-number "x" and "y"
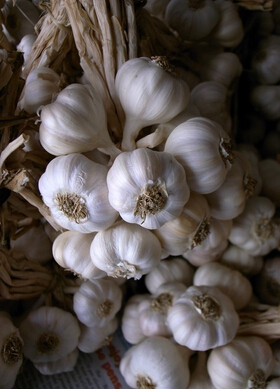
{"x": 246, "y": 362}
{"x": 214, "y": 244}
{"x": 229, "y": 30}
{"x": 93, "y": 338}
{"x": 25, "y": 45}
{"x": 203, "y": 318}
{"x": 49, "y": 334}
{"x": 168, "y": 270}
{"x": 250, "y": 152}
{"x": 150, "y": 93}
{"x": 156, "y": 362}
{"x": 97, "y": 302}
{"x": 266, "y": 100}
{"x": 125, "y": 250}
{"x": 147, "y": 187}
{"x": 62, "y": 365}
{"x": 32, "y": 243}
{"x": 256, "y": 230}
{"x": 75, "y": 190}
{"x": 66, "y": 126}
{"x": 11, "y": 346}
{"x": 267, "y": 282}
{"x": 205, "y": 151}
{"x": 189, "y": 229}
{"x": 153, "y": 310}
{"x": 200, "y": 378}
{"x": 40, "y": 86}
{"x": 274, "y": 383}
{"x": 270, "y": 173}
{"x": 231, "y": 282}
{"x": 228, "y": 201}
{"x": 192, "y": 19}
{"x": 71, "y": 250}
{"x": 238, "y": 259}
{"x": 130, "y": 325}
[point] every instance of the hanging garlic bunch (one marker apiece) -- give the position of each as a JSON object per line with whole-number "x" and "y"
{"x": 203, "y": 318}
{"x": 125, "y": 250}
{"x": 66, "y": 126}
{"x": 150, "y": 92}
{"x": 11, "y": 346}
{"x": 246, "y": 362}
{"x": 97, "y": 302}
{"x": 147, "y": 187}
{"x": 155, "y": 362}
{"x": 205, "y": 151}
{"x": 75, "y": 190}
{"x": 40, "y": 86}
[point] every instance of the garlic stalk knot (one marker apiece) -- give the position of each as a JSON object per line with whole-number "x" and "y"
{"x": 263, "y": 228}
{"x": 12, "y": 349}
{"x": 207, "y": 306}
{"x": 226, "y": 152}
{"x": 144, "y": 382}
{"x": 151, "y": 201}
{"x": 257, "y": 380}
{"x": 249, "y": 185}
{"x": 163, "y": 63}
{"x": 127, "y": 270}
{"x": 196, "y": 4}
{"x": 202, "y": 233}
{"x": 104, "y": 308}
{"x": 47, "y": 343}
{"x": 162, "y": 303}
{"x": 72, "y": 206}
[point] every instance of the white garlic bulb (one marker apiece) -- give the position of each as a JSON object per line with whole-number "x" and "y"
{"x": 75, "y": 190}
{"x": 62, "y": 365}
{"x": 256, "y": 230}
{"x": 251, "y": 153}
{"x": 147, "y": 187}
{"x": 189, "y": 229}
{"x": 93, "y": 338}
{"x": 168, "y": 270}
{"x": 203, "y": 318}
{"x": 130, "y": 325}
{"x": 97, "y": 302}
{"x": 270, "y": 173}
{"x": 266, "y": 100}
{"x": 193, "y": 20}
{"x": 40, "y": 86}
{"x": 125, "y": 250}
{"x": 75, "y": 122}
{"x": 156, "y": 362}
{"x": 267, "y": 282}
{"x": 150, "y": 92}
{"x": 246, "y": 362}
{"x": 231, "y": 282}
{"x": 205, "y": 151}
{"x": 49, "y": 334}
{"x": 11, "y": 346}
{"x": 200, "y": 378}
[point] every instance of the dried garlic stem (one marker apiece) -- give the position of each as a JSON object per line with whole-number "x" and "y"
{"x": 12, "y": 146}
{"x": 208, "y": 307}
{"x": 162, "y": 303}
{"x": 145, "y": 382}
{"x": 12, "y": 350}
{"x": 257, "y": 380}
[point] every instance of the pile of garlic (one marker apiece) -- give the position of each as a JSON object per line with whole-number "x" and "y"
{"x": 175, "y": 201}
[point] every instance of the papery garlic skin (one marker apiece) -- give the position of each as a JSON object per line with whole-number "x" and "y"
{"x": 62, "y": 365}
{"x": 231, "y": 282}
{"x": 75, "y": 190}
{"x": 125, "y": 250}
{"x": 246, "y": 362}
{"x": 11, "y": 346}
{"x": 156, "y": 362}
{"x": 97, "y": 302}
{"x": 256, "y": 230}
{"x": 71, "y": 250}
{"x": 93, "y": 338}
{"x": 147, "y": 187}
{"x": 49, "y": 334}
{"x": 149, "y": 93}
{"x": 203, "y": 318}
{"x": 168, "y": 270}
{"x": 130, "y": 325}
{"x": 204, "y": 149}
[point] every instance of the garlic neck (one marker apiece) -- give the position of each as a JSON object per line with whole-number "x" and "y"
{"x": 145, "y": 383}
{"x": 249, "y": 185}
{"x": 152, "y": 199}
{"x": 162, "y": 303}
{"x": 257, "y": 380}
{"x": 202, "y": 233}
{"x": 226, "y": 152}
{"x": 208, "y": 307}
{"x": 12, "y": 349}
{"x": 72, "y": 206}
{"x": 47, "y": 343}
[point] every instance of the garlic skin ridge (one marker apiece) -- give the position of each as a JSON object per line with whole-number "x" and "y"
{"x": 147, "y": 187}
